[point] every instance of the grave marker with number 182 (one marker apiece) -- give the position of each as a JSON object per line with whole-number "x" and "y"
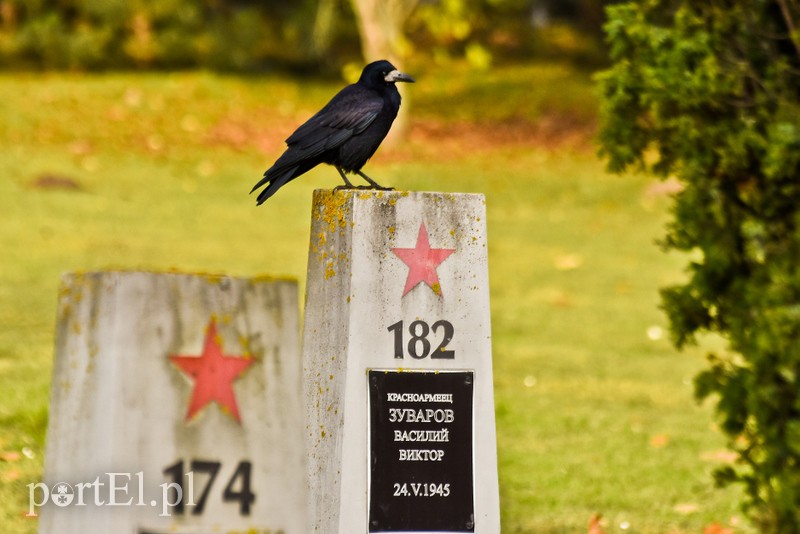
{"x": 398, "y": 365}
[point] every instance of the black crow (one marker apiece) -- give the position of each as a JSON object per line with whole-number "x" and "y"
{"x": 345, "y": 133}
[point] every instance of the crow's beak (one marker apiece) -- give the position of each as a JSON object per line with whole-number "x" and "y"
{"x": 397, "y": 76}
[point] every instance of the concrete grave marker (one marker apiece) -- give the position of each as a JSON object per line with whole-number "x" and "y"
{"x": 175, "y": 407}
{"x": 398, "y": 365}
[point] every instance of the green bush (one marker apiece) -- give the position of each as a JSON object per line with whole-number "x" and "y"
{"x": 708, "y": 92}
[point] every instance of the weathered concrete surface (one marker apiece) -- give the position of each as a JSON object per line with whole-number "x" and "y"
{"x": 120, "y": 403}
{"x": 357, "y": 288}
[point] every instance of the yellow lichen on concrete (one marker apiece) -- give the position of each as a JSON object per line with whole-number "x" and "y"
{"x": 332, "y": 208}
{"x": 331, "y": 214}
{"x": 244, "y": 343}
{"x": 213, "y": 278}
{"x": 261, "y": 278}
{"x": 330, "y": 272}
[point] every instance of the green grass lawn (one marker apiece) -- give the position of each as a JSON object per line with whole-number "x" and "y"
{"x": 594, "y": 407}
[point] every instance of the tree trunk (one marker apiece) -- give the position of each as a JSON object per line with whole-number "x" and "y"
{"x": 380, "y": 24}
{"x": 322, "y": 32}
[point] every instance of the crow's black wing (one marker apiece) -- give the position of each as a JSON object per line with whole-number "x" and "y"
{"x": 348, "y": 113}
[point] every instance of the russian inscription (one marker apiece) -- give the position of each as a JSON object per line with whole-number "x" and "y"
{"x": 421, "y": 462}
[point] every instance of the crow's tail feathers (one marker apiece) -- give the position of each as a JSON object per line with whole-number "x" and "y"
{"x": 275, "y": 179}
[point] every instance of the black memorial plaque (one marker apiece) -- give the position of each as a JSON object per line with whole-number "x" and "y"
{"x": 421, "y": 433}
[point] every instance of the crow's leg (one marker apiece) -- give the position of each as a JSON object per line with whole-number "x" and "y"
{"x": 347, "y": 184}
{"x": 373, "y": 183}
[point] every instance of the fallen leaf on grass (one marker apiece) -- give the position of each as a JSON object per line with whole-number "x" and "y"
{"x": 724, "y": 455}
{"x": 686, "y": 508}
{"x": 55, "y": 181}
{"x": 716, "y": 528}
{"x": 659, "y": 441}
{"x": 568, "y": 262}
{"x": 663, "y": 188}
{"x": 11, "y": 475}
{"x": 655, "y": 332}
{"x": 559, "y": 299}
{"x": 10, "y": 456}
{"x": 80, "y": 147}
{"x": 594, "y": 524}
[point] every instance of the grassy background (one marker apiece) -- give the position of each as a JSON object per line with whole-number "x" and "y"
{"x": 594, "y": 408}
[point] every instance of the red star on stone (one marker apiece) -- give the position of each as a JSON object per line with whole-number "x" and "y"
{"x": 213, "y": 373}
{"x": 422, "y": 261}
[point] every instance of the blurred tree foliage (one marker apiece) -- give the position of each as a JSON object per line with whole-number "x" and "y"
{"x": 709, "y": 92}
{"x": 96, "y": 34}
{"x": 255, "y": 34}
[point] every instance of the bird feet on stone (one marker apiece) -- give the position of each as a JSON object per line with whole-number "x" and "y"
{"x": 373, "y": 184}
{"x": 352, "y": 187}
